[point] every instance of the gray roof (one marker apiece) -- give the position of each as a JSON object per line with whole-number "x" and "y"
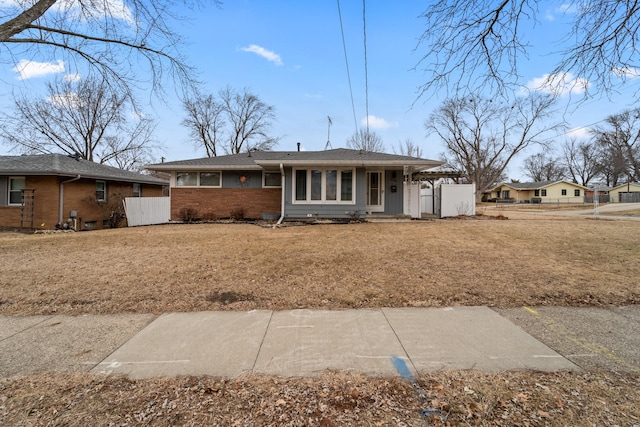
{"x": 262, "y": 159}
{"x": 535, "y": 185}
{"x": 63, "y": 165}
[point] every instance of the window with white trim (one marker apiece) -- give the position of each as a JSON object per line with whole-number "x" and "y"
{"x": 199, "y": 179}
{"x": 272, "y": 179}
{"x": 137, "y": 189}
{"x": 210, "y": 179}
{"x": 576, "y": 192}
{"x": 16, "y": 185}
{"x": 323, "y": 185}
{"x": 101, "y": 191}
{"x": 186, "y": 179}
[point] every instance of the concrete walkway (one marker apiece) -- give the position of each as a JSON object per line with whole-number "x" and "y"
{"x": 379, "y": 342}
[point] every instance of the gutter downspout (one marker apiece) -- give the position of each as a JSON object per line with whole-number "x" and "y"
{"x": 283, "y": 194}
{"x": 61, "y": 203}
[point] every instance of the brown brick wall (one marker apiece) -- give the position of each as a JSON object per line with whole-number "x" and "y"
{"x": 76, "y": 198}
{"x": 9, "y": 216}
{"x": 220, "y": 202}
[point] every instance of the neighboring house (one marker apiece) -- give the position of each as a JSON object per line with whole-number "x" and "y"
{"x": 48, "y": 190}
{"x": 539, "y": 192}
{"x": 625, "y": 193}
{"x": 602, "y": 191}
{"x": 335, "y": 184}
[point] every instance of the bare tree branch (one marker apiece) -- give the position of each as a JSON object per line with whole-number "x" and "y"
{"x": 86, "y": 117}
{"x": 482, "y": 136}
{"x": 471, "y": 45}
{"x": 366, "y": 140}
{"x": 128, "y": 43}
{"x": 236, "y": 121}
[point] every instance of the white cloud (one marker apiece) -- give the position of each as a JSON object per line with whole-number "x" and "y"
{"x": 626, "y": 72}
{"x": 115, "y": 8}
{"x": 266, "y": 54}
{"x": 71, "y": 100}
{"x": 75, "y": 77}
{"x": 557, "y": 84}
{"x": 313, "y": 95}
{"x": 378, "y": 123}
{"x": 563, "y": 9}
{"x": 579, "y": 133}
{"x": 29, "y": 69}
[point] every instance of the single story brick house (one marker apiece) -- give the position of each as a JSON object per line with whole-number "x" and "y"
{"x": 292, "y": 185}
{"x": 48, "y": 190}
{"x": 560, "y": 191}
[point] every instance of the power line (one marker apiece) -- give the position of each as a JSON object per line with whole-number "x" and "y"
{"x": 346, "y": 60}
{"x": 366, "y": 72}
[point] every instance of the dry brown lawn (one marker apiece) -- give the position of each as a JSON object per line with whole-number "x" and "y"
{"x": 507, "y": 263}
{"x": 333, "y": 399}
{"x": 523, "y": 261}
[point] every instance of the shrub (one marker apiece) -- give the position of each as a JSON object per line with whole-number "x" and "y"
{"x": 188, "y": 214}
{"x": 237, "y": 214}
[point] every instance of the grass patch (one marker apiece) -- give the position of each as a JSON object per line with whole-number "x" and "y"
{"x": 195, "y": 267}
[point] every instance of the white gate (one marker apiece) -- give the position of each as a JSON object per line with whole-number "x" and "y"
{"x": 147, "y": 210}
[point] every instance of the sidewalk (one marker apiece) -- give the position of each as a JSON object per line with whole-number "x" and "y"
{"x": 378, "y": 342}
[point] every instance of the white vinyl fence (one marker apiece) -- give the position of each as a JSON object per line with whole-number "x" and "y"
{"x": 147, "y": 210}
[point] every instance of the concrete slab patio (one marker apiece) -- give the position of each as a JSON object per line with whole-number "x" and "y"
{"x": 306, "y": 342}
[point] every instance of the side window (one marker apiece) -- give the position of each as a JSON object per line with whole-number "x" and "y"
{"x": 544, "y": 193}
{"x": 272, "y": 179}
{"x": 16, "y": 185}
{"x": 576, "y": 193}
{"x": 101, "y": 191}
{"x": 186, "y": 179}
{"x": 137, "y": 190}
{"x": 564, "y": 191}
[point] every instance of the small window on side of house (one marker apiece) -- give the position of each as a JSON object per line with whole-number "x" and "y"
{"x": 137, "y": 190}
{"x": 536, "y": 193}
{"x": 210, "y": 179}
{"x": 272, "y": 179}
{"x": 186, "y": 179}
{"x": 101, "y": 191}
{"x": 576, "y": 192}
{"x": 543, "y": 193}
{"x": 564, "y": 191}
{"x": 16, "y": 185}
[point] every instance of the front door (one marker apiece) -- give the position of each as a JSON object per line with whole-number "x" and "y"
{"x": 375, "y": 191}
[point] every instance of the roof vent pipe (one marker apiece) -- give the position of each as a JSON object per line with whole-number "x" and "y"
{"x": 298, "y": 146}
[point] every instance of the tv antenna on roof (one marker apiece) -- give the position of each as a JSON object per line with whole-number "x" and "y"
{"x": 328, "y": 144}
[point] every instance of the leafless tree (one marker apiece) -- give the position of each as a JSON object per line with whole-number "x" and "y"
{"x": 366, "y": 140}
{"x": 482, "y": 136}
{"x": 234, "y": 122}
{"x": 205, "y": 121}
{"x": 582, "y": 160}
{"x": 542, "y": 167}
{"x": 113, "y": 38}
{"x": 471, "y": 44}
{"x": 620, "y": 142}
{"x": 87, "y": 117}
{"x": 409, "y": 148}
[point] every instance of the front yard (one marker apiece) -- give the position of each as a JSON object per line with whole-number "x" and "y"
{"x": 240, "y": 266}
{"x": 509, "y": 263}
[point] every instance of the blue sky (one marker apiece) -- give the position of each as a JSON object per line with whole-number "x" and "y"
{"x": 290, "y": 54}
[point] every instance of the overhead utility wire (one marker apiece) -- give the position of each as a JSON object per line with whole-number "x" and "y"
{"x": 366, "y": 72}
{"x": 346, "y": 60}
